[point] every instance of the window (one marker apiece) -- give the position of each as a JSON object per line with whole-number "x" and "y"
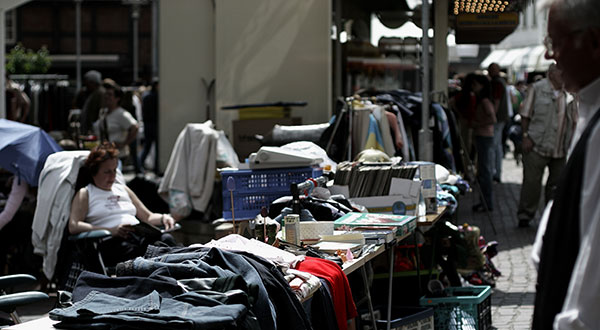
{"x": 10, "y": 21}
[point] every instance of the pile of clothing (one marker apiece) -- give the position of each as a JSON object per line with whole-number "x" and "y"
{"x": 233, "y": 283}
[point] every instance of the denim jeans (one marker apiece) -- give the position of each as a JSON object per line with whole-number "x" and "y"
{"x": 485, "y": 167}
{"x": 151, "y": 311}
{"x": 498, "y": 153}
{"x": 204, "y": 262}
{"x": 127, "y": 286}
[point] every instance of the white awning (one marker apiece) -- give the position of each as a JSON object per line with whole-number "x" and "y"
{"x": 511, "y": 56}
{"x": 494, "y": 56}
{"x": 524, "y": 59}
{"x": 537, "y": 52}
{"x": 533, "y": 60}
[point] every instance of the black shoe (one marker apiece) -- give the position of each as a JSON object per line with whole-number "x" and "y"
{"x": 497, "y": 180}
{"x": 524, "y": 223}
{"x": 480, "y": 208}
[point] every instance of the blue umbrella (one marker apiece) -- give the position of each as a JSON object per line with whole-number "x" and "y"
{"x": 24, "y": 149}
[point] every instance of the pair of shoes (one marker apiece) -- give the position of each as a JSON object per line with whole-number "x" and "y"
{"x": 480, "y": 208}
{"x": 524, "y": 223}
{"x": 497, "y": 179}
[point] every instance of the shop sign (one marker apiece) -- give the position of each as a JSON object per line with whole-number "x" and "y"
{"x": 489, "y": 28}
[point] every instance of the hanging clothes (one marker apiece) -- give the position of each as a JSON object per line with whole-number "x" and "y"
{"x": 442, "y": 140}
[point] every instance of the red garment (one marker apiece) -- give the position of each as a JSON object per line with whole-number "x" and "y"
{"x": 343, "y": 303}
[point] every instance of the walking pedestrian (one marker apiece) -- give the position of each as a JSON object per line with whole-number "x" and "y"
{"x": 483, "y": 130}
{"x": 548, "y": 121}
{"x": 501, "y": 107}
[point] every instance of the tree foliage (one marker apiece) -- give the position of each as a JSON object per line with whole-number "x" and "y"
{"x": 25, "y": 61}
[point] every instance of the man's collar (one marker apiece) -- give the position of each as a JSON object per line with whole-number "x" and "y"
{"x": 589, "y": 97}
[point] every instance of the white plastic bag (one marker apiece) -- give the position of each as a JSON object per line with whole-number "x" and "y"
{"x": 180, "y": 205}
{"x": 226, "y": 155}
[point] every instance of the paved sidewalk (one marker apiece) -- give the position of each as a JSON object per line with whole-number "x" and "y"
{"x": 513, "y": 297}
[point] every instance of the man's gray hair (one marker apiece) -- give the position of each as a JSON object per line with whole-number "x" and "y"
{"x": 582, "y": 14}
{"x": 93, "y": 76}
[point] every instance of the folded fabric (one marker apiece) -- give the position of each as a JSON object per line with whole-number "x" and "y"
{"x": 100, "y": 310}
{"x": 304, "y": 284}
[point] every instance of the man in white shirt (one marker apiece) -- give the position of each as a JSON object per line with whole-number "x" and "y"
{"x": 568, "y": 285}
{"x": 115, "y": 123}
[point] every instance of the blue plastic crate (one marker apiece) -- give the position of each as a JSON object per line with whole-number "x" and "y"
{"x": 257, "y": 188}
{"x": 463, "y": 308}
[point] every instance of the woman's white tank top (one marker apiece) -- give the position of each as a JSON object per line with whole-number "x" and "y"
{"x": 110, "y": 208}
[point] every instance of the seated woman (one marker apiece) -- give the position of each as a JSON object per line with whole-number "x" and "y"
{"x": 107, "y": 204}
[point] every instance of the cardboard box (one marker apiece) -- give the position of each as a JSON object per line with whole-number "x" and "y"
{"x": 310, "y": 230}
{"x": 244, "y": 142}
{"x": 403, "y": 191}
{"x": 429, "y": 189}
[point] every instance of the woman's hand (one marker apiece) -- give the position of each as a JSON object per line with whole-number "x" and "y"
{"x": 121, "y": 231}
{"x": 167, "y": 221}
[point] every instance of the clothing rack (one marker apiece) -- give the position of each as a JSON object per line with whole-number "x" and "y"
{"x": 39, "y": 77}
{"x": 440, "y": 97}
{"x": 50, "y": 96}
{"x": 350, "y": 104}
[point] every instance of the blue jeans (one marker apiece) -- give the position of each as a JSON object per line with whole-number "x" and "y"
{"x": 485, "y": 167}
{"x": 498, "y": 153}
{"x": 126, "y": 286}
{"x": 186, "y": 311}
{"x": 202, "y": 262}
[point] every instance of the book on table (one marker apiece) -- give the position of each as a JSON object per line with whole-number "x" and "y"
{"x": 377, "y": 234}
{"x": 332, "y": 247}
{"x": 403, "y": 223}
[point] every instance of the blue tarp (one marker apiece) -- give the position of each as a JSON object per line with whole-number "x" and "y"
{"x": 24, "y": 149}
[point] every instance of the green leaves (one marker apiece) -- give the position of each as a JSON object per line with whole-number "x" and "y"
{"x": 26, "y": 61}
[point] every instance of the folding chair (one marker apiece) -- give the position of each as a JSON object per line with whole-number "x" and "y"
{"x": 65, "y": 165}
{"x": 10, "y": 301}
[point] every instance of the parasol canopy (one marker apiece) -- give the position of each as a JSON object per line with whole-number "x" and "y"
{"x": 24, "y": 149}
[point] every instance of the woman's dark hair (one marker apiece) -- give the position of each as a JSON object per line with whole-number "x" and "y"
{"x": 464, "y": 96}
{"x": 111, "y": 84}
{"x": 99, "y": 154}
{"x": 486, "y": 90}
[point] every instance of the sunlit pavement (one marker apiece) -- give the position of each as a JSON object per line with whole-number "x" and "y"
{"x": 514, "y": 294}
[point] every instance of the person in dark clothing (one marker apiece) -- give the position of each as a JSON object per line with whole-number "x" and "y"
{"x": 89, "y": 99}
{"x": 150, "y": 117}
{"x": 567, "y": 288}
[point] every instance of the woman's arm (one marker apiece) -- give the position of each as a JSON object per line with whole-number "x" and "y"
{"x": 15, "y": 198}
{"x": 79, "y": 209}
{"x": 145, "y": 215}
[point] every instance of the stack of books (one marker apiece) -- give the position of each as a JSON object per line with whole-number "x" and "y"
{"x": 403, "y": 224}
{"x": 377, "y": 235}
{"x": 371, "y": 179}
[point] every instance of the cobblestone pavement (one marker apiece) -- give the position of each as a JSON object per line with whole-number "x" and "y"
{"x": 513, "y": 297}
